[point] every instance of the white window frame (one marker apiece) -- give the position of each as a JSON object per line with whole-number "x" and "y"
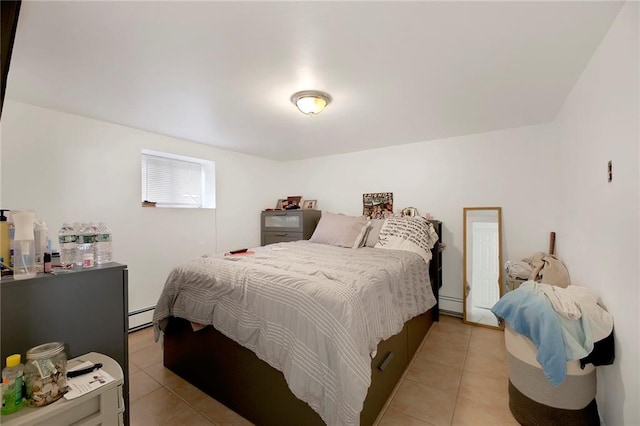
{"x": 208, "y": 184}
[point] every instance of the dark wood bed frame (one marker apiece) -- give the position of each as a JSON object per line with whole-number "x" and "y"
{"x": 236, "y": 377}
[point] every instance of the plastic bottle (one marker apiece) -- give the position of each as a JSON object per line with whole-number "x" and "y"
{"x": 67, "y": 239}
{"x": 41, "y": 234}
{"x": 47, "y": 263}
{"x": 12, "y": 238}
{"x": 77, "y": 229}
{"x": 5, "y": 248}
{"x": 86, "y": 242}
{"x": 12, "y": 380}
{"x": 103, "y": 244}
{"x": 24, "y": 245}
{"x": 94, "y": 228}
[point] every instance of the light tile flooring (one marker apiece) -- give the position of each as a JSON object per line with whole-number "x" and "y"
{"x": 458, "y": 377}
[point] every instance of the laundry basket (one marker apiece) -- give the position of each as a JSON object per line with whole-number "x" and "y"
{"x": 534, "y": 401}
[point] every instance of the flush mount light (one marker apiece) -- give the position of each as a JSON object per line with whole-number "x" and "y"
{"x": 310, "y": 102}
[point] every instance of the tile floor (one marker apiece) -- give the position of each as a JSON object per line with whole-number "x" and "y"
{"x": 458, "y": 377}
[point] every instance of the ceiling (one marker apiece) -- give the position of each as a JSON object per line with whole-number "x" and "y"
{"x": 222, "y": 73}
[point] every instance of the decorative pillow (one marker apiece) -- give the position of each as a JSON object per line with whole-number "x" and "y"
{"x": 340, "y": 230}
{"x": 414, "y": 234}
{"x": 373, "y": 231}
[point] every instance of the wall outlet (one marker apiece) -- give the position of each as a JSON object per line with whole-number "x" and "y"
{"x": 610, "y": 170}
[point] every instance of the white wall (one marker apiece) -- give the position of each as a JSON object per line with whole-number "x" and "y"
{"x": 598, "y": 222}
{"x": 515, "y": 169}
{"x": 71, "y": 168}
{"x": 546, "y": 178}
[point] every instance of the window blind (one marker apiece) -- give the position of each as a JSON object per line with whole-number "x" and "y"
{"x": 171, "y": 182}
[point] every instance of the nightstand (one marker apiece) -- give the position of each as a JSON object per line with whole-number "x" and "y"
{"x": 278, "y": 226}
{"x": 101, "y": 406}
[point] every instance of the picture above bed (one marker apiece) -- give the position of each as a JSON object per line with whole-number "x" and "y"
{"x": 377, "y": 205}
{"x": 414, "y": 234}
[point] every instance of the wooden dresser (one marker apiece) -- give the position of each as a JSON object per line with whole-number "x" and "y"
{"x": 278, "y": 226}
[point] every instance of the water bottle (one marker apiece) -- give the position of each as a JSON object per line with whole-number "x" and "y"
{"x": 86, "y": 243}
{"x": 77, "y": 228}
{"x": 103, "y": 244}
{"x": 12, "y": 379}
{"x": 68, "y": 239}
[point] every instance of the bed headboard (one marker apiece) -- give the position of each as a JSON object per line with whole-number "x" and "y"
{"x": 435, "y": 267}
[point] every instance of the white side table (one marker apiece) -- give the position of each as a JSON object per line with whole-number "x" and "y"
{"x": 103, "y": 406}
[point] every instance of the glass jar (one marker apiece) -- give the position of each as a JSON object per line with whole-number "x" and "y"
{"x": 45, "y": 374}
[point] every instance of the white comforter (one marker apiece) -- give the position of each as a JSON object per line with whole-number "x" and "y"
{"x": 313, "y": 311}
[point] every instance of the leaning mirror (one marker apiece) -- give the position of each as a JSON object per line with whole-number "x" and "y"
{"x": 482, "y": 255}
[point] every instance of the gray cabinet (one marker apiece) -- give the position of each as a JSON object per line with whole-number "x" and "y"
{"x": 87, "y": 309}
{"x": 287, "y": 225}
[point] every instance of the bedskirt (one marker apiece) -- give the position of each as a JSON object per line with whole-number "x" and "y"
{"x": 533, "y": 400}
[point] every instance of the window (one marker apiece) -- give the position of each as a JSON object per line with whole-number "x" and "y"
{"x": 171, "y": 180}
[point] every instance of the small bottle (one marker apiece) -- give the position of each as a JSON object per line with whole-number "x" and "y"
{"x": 5, "y": 252}
{"x": 12, "y": 380}
{"x": 103, "y": 244}
{"x": 87, "y": 260}
{"x": 12, "y": 238}
{"x": 47, "y": 262}
{"x": 67, "y": 239}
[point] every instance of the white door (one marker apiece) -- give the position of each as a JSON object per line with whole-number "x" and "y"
{"x": 486, "y": 291}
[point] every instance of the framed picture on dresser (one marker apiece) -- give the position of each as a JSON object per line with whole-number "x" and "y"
{"x": 309, "y": 204}
{"x": 293, "y": 200}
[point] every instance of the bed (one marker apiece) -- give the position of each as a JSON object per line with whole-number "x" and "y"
{"x": 300, "y": 332}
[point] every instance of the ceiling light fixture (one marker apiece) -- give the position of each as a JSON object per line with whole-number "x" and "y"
{"x": 310, "y": 102}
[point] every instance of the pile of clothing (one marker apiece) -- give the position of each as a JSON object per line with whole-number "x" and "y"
{"x": 565, "y": 322}
{"x": 540, "y": 267}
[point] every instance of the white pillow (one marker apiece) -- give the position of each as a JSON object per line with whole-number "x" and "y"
{"x": 340, "y": 230}
{"x": 414, "y": 234}
{"x": 373, "y": 232}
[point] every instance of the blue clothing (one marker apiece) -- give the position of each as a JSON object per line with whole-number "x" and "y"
{"x": 528, "y": 312}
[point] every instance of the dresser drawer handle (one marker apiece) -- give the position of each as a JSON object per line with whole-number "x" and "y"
{"x": 280, "y": 234}
{"x": 385, "y": 362}
{"x": 279, "y": 214}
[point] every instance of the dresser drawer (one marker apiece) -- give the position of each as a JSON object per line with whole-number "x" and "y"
{"x": 283, "y": 221}
{"x": 287, "y": 225}
{"x": 271, "y": 237}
